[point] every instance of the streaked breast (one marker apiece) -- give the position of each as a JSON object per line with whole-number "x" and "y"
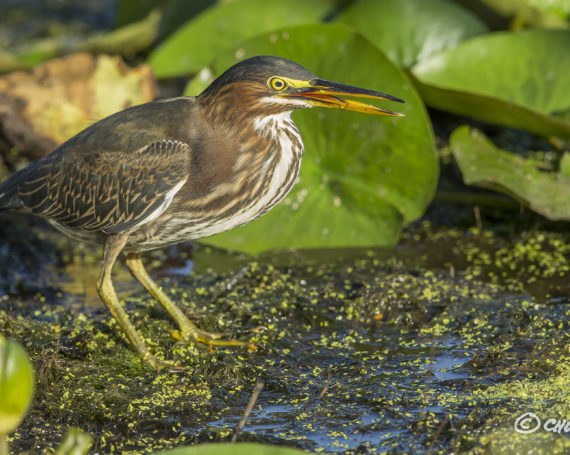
{"x": 263, "y": 175}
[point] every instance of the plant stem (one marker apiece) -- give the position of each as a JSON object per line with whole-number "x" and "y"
{"x": 256, "y": 391}
{"x": 4, "y": 449}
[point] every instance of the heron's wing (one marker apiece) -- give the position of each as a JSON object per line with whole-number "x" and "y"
{"x": 108, "y": 192}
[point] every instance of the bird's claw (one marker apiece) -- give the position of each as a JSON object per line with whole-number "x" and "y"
{"x": 162, "y": 364}
{"x": 210, "y": 339}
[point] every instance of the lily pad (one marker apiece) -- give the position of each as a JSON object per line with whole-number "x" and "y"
{"x": 127, "y": 40}
{"x": 195, "y": 44}
{"x": 485, "y": 165}
{"x": 409, "y": 31}
{"x": 234, "y": 449}
{"x": 16, "y": 384}
{"x": 533, "y": 13}
{"x": 362, "y": 176}
{"x": 514, "y": 79}
{"x": 75, "y": 442}
{"x": 173, "y": 13}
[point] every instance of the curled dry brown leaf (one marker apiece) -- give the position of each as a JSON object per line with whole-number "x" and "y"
{"x": 42, "y": 108}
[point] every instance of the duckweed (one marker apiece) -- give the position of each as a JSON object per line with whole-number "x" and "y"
{"x": 440, "y": 345}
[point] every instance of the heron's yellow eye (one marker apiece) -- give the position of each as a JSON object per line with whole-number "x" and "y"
{"x": 276, "y": 83}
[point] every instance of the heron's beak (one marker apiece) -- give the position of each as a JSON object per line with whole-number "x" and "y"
{"x": 319, "y": 92}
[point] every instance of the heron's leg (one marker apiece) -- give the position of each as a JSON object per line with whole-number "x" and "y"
{"x": 112, "y": 248}
{"x": 187, "y": 328}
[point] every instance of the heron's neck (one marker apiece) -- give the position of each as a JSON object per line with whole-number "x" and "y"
{"x": 273, "y": 124}
{"x": 279, "y": 154}
{"x": 283, "y": 137}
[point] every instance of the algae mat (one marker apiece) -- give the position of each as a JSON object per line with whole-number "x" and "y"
{"x": 440, "y": 346}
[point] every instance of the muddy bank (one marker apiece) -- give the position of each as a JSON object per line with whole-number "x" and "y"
{"x": 440, "y": 344}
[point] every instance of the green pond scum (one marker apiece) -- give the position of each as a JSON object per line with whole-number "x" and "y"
{"x": 438, "y": 346}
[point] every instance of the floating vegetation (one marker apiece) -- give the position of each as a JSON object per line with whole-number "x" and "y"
{"x": 442, "y": 343}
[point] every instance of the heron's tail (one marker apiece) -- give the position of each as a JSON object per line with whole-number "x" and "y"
{"x": 9, "y": 198}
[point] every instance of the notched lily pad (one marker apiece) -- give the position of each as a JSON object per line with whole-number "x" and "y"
{"x": 532, "y": 88}
{"x": 409, "y": 31}
{"x": 485, "y": 165}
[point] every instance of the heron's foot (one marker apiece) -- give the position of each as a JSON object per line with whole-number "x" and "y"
{"x": 193, "y": 333}
{"x": 162, "y": 364}
{"x": 157, "y": 364}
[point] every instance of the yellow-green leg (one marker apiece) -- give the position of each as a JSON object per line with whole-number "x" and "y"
{"x": 112, "y": 248}
{"x": 187, "y": 328}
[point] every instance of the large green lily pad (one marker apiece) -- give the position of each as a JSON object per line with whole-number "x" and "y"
{"x": 515, "y": 79}
{"x": 485, "y": 165}
{"x": 362, "y": 176}
{"x": 195, "y": 44}
{"x": 409, "y": 31}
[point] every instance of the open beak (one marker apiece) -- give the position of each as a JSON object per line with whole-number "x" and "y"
{"x": 319, "y": 92}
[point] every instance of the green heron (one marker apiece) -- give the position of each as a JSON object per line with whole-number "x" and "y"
{"x": 179, "y": 169}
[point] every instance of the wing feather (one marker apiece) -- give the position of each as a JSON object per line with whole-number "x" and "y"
{"x": 108, "y": 192}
